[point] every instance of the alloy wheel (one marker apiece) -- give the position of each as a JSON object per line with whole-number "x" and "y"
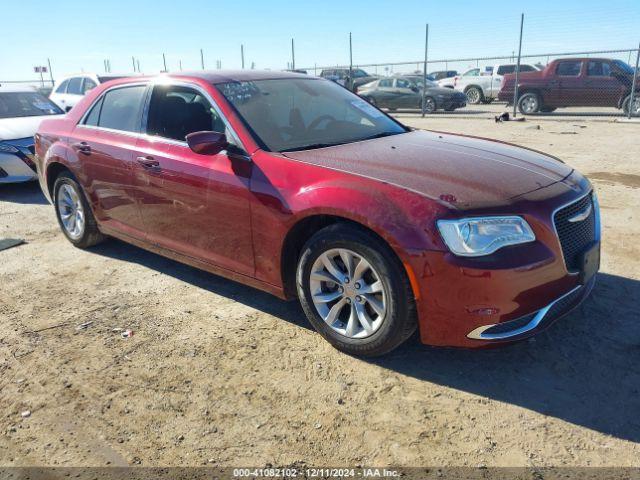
{"x": 347, "y": 293}
{"x": 473, "y": 95}
{"x": 529, "y": 104}
{"x": 429, "y": 105}
{"x": 71, "y": 211}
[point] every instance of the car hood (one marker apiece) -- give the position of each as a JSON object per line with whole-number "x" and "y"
{"x": 461, "y": 171}
{"x": 20, "y": 127}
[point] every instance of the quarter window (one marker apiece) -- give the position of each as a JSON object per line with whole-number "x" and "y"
{"x": 385, "y": 83}
{"x": 568, "y": 69}
{"x": 75, "y": 86}
{"x": 121, "y": 109}
{"x": 94, "y": 114}
{"x": 176, "y": 111}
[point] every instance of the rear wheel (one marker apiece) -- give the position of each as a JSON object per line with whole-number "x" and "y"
{"x": 529, "y": 103}
{"x": 73, "y": 212}
{"x": 635, "y": 108}
{"x": 354, "y": 291}
{"x": 429, "y": 105}
{"x": 474, "y": 95}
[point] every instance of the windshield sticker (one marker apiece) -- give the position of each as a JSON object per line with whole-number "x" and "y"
{"x": 367, "y": 108}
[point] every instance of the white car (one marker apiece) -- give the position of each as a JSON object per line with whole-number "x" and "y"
{"x": 482, "y": 86}
{"x": 69, "y": 90}
{"x": 21, "y": 111}
{"x": 450, "y": 82}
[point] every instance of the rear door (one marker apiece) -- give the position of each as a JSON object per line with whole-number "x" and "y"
{"x": 196, "y": 205}
{"x": 406, "y": 97}
{"x": 601, "y": 87}
{"x": 74, "y": 93}
{"x": 385, "y": 96}
{"x": 567, "y": 88}
{"x": 104, "y": 143}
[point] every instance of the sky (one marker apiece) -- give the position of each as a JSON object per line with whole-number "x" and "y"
{"x": 79, "y": 35}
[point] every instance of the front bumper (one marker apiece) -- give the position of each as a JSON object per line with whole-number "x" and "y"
{"x": 13, "y": 169}
{"x": 516, "y": 292}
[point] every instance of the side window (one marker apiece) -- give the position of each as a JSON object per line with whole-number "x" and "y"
{"x": 62, "y": 88}
{"x": 176, "y": 111}
{"x": 88, "y": 85}
{"x": 527, "y": 68}
{"x": 402, "y": 83}
{"x": 121, "y": 109}
{"x": 598, "y": 69}
{"x": 568, "y": 69}
{"x": 474, "y": 72}
{"x": 94, "y": 114}
{"x": 385, "y": 83}
{"x": 359, "y": 73}
{"x": 75, "y": 86}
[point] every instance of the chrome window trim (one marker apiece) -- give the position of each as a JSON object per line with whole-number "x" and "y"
{"x": 143, "y": 118}
{"x": 597, "y": 222}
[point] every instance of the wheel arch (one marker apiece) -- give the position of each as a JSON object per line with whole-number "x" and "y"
{"x": 301, "y": 231}
{"x": 53, "y": 171}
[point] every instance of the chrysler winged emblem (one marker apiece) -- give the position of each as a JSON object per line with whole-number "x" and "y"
{"x": 580, "y": 216}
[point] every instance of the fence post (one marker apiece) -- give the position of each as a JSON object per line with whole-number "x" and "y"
{"x": 424, "y": 69}
{"x": 515, "y": 86}
{"x": 242, "y": 55}
{"x": 633, "y": 85}
{"x": 350, "y": 86}
{"x": 202, "y": 59}
{"x": 293, "y": 56}
{"x": 164, "y": 61}
{"x": 133, "y": 62}
{"x": 138, "y": 64}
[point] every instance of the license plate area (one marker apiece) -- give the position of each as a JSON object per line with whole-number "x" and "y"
{"x": 590, "y": 262}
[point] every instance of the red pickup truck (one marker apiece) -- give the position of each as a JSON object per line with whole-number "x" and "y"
{"x": 573, "y": 82}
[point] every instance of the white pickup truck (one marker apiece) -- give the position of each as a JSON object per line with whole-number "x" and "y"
{"x": 482, "y": 86}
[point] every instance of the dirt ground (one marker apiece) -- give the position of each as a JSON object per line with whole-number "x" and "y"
{"x": 221, "y": 374}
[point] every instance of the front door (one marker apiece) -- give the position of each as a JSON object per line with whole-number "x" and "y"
{"x": 196, "y": 205}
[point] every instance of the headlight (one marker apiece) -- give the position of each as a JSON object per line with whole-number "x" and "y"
{"x": 6, "y": 148}
{"x": 473, "y": 237}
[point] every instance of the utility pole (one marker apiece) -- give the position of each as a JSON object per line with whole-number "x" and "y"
{"x": 180, "y": 64}
{"x": 202, "y": 59}
{"x": 138, "y": 64}
{"x": 424, "y": 70}
{"x": 242, "y": 55}
{"x": 515, "y": 87}
{"x": 350, "y": 86}
{"x": 50, "y": 71}
{"x": 164, "y": 61}
{"x": 293, "y": 56}
{"x": 133, "y": 61}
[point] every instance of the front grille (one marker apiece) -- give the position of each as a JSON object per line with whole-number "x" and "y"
{"x": 575, "y": 237}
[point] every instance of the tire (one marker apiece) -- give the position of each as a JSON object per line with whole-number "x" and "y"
{"x": 393, "y": 319}
{"x": 548, "y": 109}
{"x": 625, "y": 105}
{"x": 474, "y": 95}
{"x": 68, "y": 198}
{"x": 429, "y": 104}
{"x": 529, "y": 103}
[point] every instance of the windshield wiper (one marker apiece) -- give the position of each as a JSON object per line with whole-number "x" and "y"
{"x": 312, "y": 146}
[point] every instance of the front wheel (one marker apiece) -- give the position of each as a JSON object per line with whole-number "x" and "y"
{"x": 635, "y": 109}
{"x": 73, "y": 212}
{"x": 355, "y": 292}
{"x": 429, "y": 105}
{"x": 529, "y": 103}
{"x": 474, "y": 95}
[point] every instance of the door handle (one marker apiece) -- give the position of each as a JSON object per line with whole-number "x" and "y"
{"x": 83, "y": 147}
{"x": 148, "y": 162}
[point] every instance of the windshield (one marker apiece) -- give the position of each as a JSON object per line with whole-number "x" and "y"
{"x": 299, "y": 114}
{"x": 625, "y": 67}
{"x": 26, "y": 104}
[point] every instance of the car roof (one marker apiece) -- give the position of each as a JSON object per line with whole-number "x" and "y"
{"x": 226, "y": 76}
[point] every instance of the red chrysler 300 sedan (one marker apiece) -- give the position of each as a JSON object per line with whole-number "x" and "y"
{"x": 296, "y": 186}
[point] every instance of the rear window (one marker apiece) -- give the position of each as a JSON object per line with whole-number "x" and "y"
{"x": 121, "y": 109}
{"x": 26, "y": 104}
{"x": 599, "y": 69}
{"x": 568, "y": 69}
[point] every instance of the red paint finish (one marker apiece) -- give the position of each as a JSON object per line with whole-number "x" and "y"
{"x": 231, "y": 215}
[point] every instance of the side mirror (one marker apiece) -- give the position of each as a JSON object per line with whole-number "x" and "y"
{"x": 207, "y": 143}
